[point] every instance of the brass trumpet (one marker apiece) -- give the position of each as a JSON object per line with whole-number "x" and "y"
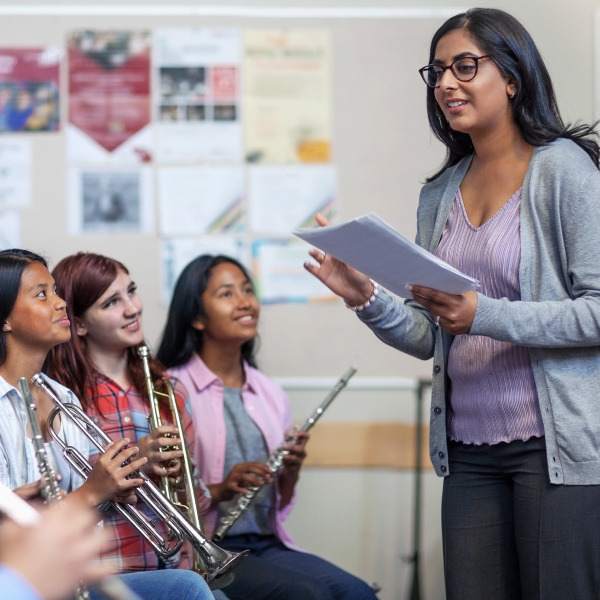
{"x": 218, "y": 562}
{"x": 162, "y": 388}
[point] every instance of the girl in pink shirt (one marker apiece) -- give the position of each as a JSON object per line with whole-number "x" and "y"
{"x": 240, "y": 417}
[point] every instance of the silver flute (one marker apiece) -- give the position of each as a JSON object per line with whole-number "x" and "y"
{"x": 275, "y": 460}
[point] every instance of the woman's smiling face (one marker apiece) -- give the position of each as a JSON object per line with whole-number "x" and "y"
{"x": 477, "y": 106}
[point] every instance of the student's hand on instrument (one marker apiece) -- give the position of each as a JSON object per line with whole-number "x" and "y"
{"x": 239, "y": 479}
{"x": 56, "y": 554}
{"x": 354, "y": 287}
{"x": 296, "y": 450}
{"x": 161, "y": 464}
{"x": 30, "y": 491}
{"x": 455, "y": 311}
{"x": 108, "y": 478}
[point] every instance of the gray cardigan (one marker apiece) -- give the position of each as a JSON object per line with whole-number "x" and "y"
{"x": 557, "y": 318}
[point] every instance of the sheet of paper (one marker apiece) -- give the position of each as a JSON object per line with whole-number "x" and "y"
{"x": 197, "y": 94}
{"x": 110, "y": 201}
{"x": 197, "y": 200}
{"x": 29, "y": 83}
{"x": 280, "y": 276}
{"x": 10, "y": 229}
{"x": 15, "y": 172}
{"x": 176, "y": 253}
{"x": 287, "y": 96}
{"x": 109, "y": 96}
{"x": 283, "y": 198}
{"x": 372, "y": 246}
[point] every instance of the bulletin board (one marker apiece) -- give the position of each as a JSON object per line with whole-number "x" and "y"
{"x": 381, "y": 151}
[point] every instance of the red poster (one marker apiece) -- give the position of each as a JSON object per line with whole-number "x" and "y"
{"x": 109, "y": 84}
{"x": 29, "y": 89}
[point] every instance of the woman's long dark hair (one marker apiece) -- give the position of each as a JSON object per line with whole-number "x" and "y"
{"x": 534, "y": 105}
{"x": 180, "y": 340}
{"x": 80, "y": 280}
{"x": 12, "y": 266}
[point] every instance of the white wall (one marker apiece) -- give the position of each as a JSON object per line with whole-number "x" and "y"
{"x": 383, "y": 150}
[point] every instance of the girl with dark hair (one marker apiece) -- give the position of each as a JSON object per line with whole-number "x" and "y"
{"x": 516, "y": 366}
{"x": 240, "y": 417}
{"x": 34, "y": 320}
{"x": 101, "y": 363}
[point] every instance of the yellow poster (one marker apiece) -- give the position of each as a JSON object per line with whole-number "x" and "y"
{"x": 287, "y": 97}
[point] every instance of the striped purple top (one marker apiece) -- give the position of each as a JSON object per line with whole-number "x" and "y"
{"x": 493, "y": 396}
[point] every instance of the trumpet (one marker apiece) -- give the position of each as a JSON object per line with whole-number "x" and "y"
{"x": 111, "y": 587}
{"x": 163, "y": 388}
{"x": 275, "y": 460}
{"x": 218, "y": 562}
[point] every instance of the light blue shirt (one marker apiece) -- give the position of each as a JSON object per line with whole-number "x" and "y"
{"x": 14, "y": 587}
{"x": 18, "y": 463}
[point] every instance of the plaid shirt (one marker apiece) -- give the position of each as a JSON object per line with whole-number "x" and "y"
{"x": 125, "y": 414}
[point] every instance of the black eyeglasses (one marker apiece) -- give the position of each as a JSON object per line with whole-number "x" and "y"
{"x": 464, "y": 69}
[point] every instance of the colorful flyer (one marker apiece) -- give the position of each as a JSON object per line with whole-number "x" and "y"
{"x": 197, "y": 95}
{"x": 109, "y": 96}
{"x": 287, "y": 96}
{"x": 176, "y": 253}
{"x": 29, "y": 97}
{"x": 198, "y": 200}
{"x": 284, "y": 198}
{"x": 280, "y": 275}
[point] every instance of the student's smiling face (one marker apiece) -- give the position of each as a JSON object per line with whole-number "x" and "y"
{"x": 230, "y": 306}
{"x": 114, "y": 321}
{"x": 39, "y": 316}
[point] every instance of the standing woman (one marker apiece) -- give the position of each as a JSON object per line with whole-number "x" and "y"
{"x": 33, "y": 320}
{"x": 240, "y": 417}
{"x": 516, "y": 367}
{"x": 101, "y": 364}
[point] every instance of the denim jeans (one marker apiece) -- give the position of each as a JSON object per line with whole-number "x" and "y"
{"x": 273, "y": 572}
{"x": 164, "y": 584}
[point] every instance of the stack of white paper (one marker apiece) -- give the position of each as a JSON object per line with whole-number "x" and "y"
{"x": 376, "y": 249}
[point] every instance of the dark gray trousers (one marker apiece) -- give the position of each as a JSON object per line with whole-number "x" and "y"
{"x": 509, "y": 534}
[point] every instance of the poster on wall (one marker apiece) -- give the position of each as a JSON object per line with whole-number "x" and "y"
{"x": 110, "y": 201}
{"x": 15, "y": 172}
{"x": 201, "y": 200}
{"x": 109, "y": 96}
{"x": 10, "y": 229}
{"x": 176, "y": 253}
{"x": 287, "y": 96}
{"x": 280, "y": 275}
{"x": 284, "y": 198}
{"x": 197, "y": 95}
{"x": 29, "y": 97}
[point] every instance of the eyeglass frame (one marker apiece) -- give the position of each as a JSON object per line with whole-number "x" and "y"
{"x": 451, "y": 67}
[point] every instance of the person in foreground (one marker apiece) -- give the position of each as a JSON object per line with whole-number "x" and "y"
{"x": 516, "y": 365}
{"x": 34, "y": 320}
{"x": 48, "y": 560}
{"x": 240, "y": 417}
